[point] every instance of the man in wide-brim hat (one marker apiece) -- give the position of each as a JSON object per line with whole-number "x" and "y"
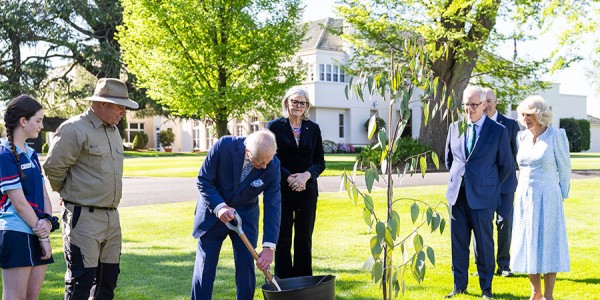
{"x": 85, "y": 165}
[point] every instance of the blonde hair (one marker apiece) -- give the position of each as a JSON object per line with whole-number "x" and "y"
{"x": 536, "y": 106}
{"x": 294, "y": 92}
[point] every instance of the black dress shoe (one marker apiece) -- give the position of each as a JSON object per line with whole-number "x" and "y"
{"x": 487, "y": 294}
{"x": 504, "y": 272}
{"x": 455, "y": 292}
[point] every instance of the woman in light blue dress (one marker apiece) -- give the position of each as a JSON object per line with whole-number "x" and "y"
{"x": 539, "y": 237}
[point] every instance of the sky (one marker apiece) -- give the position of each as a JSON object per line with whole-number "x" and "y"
{"x": 572, "y": 80}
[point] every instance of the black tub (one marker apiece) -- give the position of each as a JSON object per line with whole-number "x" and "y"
{"x": 302, "y": 288}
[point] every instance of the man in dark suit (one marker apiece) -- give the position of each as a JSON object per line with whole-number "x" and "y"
{"x": 235, "y": 172}
{"x": 504, "y": 212}
{"x": 479, "y": 161}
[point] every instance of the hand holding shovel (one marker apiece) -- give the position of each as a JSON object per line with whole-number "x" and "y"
{"x": 238, "y": 229}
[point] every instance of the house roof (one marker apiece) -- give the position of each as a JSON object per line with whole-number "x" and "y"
{"x": 319, "y": 37}
{"x": 593, "y": 120}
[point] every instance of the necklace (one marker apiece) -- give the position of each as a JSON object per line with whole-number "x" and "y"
{"x": 296, "y": 130}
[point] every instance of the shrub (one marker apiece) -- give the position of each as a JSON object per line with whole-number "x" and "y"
{"x": 359, "y": 149}
{"x": 166, "y": 138}
{"x": 574, "y": 133}
{"x": 407, "y": 147}
{"x": 138, "y": 141}
{"x": 345, "y": 148}
{"x": 45, "y": 148}
{"x": 329, "y": 146}
{"x": 585, "y": 134}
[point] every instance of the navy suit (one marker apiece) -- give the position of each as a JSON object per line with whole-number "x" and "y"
{"x": 474, "y": 193}
{"x": 504, "y": 212}
{"x": 219, "y": 182}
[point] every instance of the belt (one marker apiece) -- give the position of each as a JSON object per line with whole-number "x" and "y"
{"x": 90, "y": 207}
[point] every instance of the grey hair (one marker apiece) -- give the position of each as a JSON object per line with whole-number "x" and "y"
{"x": 474, "y": 90}
{"x": 294, "y": 92}
{"x": 487, "y": 91}
{"x": 261, "y": 142}
{"x": 536, "y": 106}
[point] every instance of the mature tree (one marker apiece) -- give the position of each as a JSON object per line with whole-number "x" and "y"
{"x": 21, "y": 25}
{"x": 213, "y": 59}
{"x": 467, "y": 28}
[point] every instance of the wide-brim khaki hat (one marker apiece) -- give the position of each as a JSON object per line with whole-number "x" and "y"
{"x": 112, "y": 90}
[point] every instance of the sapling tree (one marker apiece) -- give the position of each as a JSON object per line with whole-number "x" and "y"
{"x": 397, "y": 86}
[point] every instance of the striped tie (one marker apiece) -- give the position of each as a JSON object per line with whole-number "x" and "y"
{"x": 246, "y": 169}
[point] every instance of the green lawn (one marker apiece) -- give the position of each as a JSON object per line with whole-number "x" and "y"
{"x": 158, "y": 252}
{"x": 161, "y": 164}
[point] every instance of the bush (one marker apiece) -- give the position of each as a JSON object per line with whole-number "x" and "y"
{"x": 585, "y": 134}
{"x": 138, "y": 141}
{"x": 407, "y": 147}
{"x": 166, "y": 138}
{"x": 329, "y": 146}
{"x": 359, "y": 149}
{"x": 45, "y": 148}
{"x": 574, "y": 133}
{"x": 345, "y": 148}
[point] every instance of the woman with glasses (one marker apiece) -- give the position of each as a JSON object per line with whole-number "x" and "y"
{"x": 300, "y": 151}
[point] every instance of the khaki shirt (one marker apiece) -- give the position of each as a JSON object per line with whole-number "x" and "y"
{"x": 85, "y": 162}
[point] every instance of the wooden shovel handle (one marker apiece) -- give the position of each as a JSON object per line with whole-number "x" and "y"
{"x": 255, "y": 255}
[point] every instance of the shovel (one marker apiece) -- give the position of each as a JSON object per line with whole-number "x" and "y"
{"x": 238, "y": 229}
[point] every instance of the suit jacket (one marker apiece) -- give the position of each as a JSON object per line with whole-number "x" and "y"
{"x": 488, "y": 166}
{"x": 512, "y": 128}
{"x": 307, "y": 156}
{"x": 219, "y": 181}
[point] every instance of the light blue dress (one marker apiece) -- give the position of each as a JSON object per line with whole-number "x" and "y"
{"x": 539, "y": 236}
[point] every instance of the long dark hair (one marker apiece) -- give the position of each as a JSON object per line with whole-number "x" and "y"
{"x": 23, "y": 106}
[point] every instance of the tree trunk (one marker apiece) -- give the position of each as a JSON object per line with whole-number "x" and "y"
{"x": 221, "y": 127}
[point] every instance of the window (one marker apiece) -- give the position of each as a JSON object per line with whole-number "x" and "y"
{"x": 196, "y": 134}
{"x": 335, "y": 73}
{"x": 132, "y": 129}
{"x": 322, "y": 72}
{"x": 341, "y": 122}
{"x": 254, "y": 124}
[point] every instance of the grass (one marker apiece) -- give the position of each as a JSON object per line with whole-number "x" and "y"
{"x": 159, "y": 251}
{"x": 162, "y": 164}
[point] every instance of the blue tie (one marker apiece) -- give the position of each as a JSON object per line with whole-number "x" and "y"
{"x": 246, "y": 169}
{"x": 471, "y": 140}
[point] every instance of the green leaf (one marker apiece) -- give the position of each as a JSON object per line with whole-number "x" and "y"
{"x": 370, "y": 84}
{"x": 435, "y": 222}
{"x": 429, "y": 214}
{"x": 367, "y": 217}
{"x": 418, "y": 242}
{"x": 375, "y": 247}
{"x": 442, "y": 225}
{"x": 370, "y": 176}
{"x": 423, "y": 165}
{"x": 355, "y": 194}
{"x": 368, "y": 264}
{"x": 425, "y": 113}
{"x": 431, "y": 255}
{"x": 380, "y": 229}
{"x": 372, "y": 126}
{"x": 368, "y": 202}
{"x": 414, "y": 212}
{"x": 377, "y": 271}
{"x": 389, "y": 240}
{"x": 346, "y": 92}
{"x": 396, "y": 217}
{"x": 435, "y": 159}
{"x": 382, "y": 138}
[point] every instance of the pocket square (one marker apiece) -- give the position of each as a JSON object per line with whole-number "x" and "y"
{"x": 256, "y": 183}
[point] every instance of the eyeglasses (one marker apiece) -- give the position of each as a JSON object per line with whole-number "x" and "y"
{"x": 472, "y": 105}
{"x": 298, "y": 103}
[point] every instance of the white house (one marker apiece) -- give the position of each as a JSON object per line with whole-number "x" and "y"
{"x": 341, "y": 120}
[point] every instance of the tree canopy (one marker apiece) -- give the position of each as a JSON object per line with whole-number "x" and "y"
{"x": 469, "y": 31}
{"x": 213, "y": 60}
